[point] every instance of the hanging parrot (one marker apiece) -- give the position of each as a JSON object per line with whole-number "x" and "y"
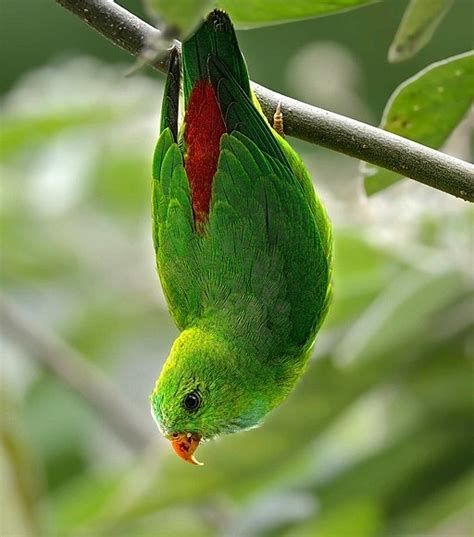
{"x": 243, "y": 248}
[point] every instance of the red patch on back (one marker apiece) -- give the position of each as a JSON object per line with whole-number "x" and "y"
{"x": 202, "y": 135}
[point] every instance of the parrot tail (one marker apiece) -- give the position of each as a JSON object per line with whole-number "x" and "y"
{"x": 214, "y": 40}
{"x": 215, "y": 37}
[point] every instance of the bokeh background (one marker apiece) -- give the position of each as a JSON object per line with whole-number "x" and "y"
{"x": 377, "y": 438}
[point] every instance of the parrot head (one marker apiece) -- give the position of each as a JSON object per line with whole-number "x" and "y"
{"x": 201, "y": 392}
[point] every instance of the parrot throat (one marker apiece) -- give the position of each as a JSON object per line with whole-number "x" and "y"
{"x": 202, "y": 135}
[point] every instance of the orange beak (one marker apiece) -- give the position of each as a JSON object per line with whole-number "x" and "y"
{"x": 185, "y": 444}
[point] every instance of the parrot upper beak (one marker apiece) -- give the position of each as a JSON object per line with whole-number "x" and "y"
{"x": 185, "y": 444}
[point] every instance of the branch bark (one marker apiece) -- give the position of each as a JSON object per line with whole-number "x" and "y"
{"x": 302, "y": 120}
{"x": 93, "y": 385}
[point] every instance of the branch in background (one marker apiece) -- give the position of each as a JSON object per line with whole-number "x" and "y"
{"x": 93, "y": 385}
{"x": 303, "y": 121}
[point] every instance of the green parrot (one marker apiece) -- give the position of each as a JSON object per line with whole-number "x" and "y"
{"x": 243, "y": 248}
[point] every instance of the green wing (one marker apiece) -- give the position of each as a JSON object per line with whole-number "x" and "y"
{"x": 261, "y": 269}
{"x": 270, "y": 272}
{"x": 317, "y": 208}
{"x": 175, "y": 240}
{"x": 173, "y": 227}
{"x": 273, "y": 200}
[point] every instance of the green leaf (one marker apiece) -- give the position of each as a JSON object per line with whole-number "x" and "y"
{"x": 420, "y": 20}
{"x": 426, "y": 109}
{"x": 251, "y": 13}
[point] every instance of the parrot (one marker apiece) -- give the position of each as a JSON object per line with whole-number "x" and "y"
{"x": 243, "y": 247}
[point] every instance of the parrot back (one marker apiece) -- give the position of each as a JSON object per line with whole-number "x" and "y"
{"x": 243, "y": 244}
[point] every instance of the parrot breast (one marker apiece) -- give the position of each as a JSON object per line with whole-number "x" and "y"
{"x": 203, "y": 130}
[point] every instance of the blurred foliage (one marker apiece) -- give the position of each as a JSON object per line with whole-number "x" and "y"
{"x": 426, "y": 108}
{"x": 376, "y": 439}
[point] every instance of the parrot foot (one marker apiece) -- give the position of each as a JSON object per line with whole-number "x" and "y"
{"x": 154, "y": 50}
{"x": 278, "y": 121}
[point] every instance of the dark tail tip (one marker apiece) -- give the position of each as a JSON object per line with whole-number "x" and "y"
{"x": 220, "y": 20}
{"x": 170, "y": 106}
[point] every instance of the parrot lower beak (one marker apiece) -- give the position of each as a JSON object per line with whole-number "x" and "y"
{"x": 185, "y": 444}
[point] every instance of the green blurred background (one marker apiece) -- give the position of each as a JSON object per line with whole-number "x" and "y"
{"x": 377, "y": 438}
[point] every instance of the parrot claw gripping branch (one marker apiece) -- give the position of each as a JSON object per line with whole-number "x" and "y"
{"x": 243, "y": 247}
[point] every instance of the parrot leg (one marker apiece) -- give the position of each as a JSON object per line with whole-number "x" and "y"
{"x": 278, "y": 121}
{"x": 155, "y": 49}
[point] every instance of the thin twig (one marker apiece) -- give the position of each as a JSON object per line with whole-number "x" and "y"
{"x": 116, "y": 410}
{"x": 302, "y": 120}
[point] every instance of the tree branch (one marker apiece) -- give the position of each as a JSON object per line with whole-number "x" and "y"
{"x": 82, "y": 376}
{"x": 303, "y": 121}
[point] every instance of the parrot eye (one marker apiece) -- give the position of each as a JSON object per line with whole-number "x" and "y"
{"x": 192, "y": 401}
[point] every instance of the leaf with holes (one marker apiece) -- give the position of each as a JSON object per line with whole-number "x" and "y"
{"x": 426, "y": 109}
